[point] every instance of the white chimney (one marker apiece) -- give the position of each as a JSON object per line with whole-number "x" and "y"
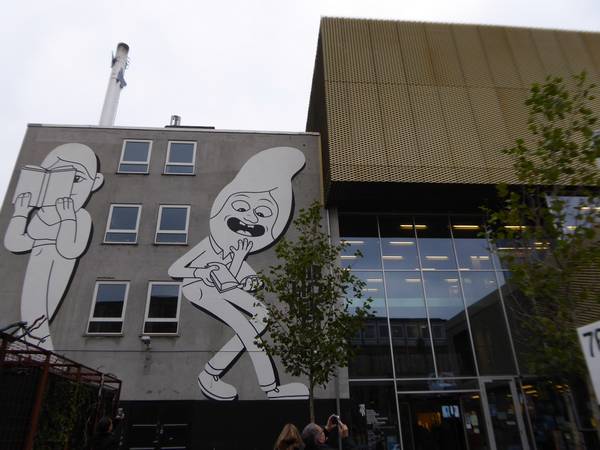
{"x": 116, "y": 82}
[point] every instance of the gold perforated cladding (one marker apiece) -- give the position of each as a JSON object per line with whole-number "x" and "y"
{"x": 436, "y": 103}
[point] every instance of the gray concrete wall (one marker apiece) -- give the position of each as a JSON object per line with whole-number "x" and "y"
{"x": 169, "y": 369}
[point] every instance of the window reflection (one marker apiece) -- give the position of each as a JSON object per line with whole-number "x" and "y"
{"x": 488, "y": 326}
{"x": 373, "y": 289}
{"x": 472, "y": 249}
{"x": 398, "y": 243}
{"x": 395, "y": 248}
{"x": 408, "y": 319}
{"x": 452, "y": 344}
{"x": 435, "y": 245}
{"x": 360, "y": 232}
{"x": 373, "y": 341}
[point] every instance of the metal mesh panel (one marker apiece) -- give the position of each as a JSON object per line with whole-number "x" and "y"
{"x": 490, "y": 126}
{"x": 444, "y": 57}
{"x": 461, "y": 129}
{"x": 515, "y": 114}
{"x": 550, "y": 53}
{"x": 499, "y": 57}
{"x": 435, "y": 103}
{"x": 415, "y": 51}
{"x": 472, "y": 56}
{"x": 387, "y": 54}
{"x": 592, "y": 42}
{"x": 368, "y": 145}
{"x": 338, "y": 120}
{"x": 431, "y": 131}
{"x": 576, "y": 53}
{"x": 399, "y": 127}
{"x": 587, "y": 281}
{"x": 350, "y": 48}
{"x": 526, "y": 56}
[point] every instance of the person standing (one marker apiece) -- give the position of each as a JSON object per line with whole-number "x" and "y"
{"x": 289, "y": 439}
{"x": 316, "y": 437}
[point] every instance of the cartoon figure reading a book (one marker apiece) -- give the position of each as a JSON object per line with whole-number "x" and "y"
{"x": 248, "y": 215}
{"x": 49, "y": 221}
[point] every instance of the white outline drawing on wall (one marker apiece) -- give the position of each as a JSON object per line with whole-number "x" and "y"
{"x": 247, "y": 216}
{"x": 49, "y": 221}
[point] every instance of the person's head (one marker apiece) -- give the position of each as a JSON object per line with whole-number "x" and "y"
{"x": 83, "y": 159}
{"x": 313, "y": 435}
{"x": 104, "y": 425}
{"x": 289, "y": 438}
{"x": 257, "y": 204}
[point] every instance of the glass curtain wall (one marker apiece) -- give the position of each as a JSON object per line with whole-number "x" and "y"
{"x": 439, "y": 321}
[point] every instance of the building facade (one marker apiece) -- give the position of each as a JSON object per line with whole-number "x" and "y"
{"x": 135, "y": 250}
{"x": 413, "y": 119}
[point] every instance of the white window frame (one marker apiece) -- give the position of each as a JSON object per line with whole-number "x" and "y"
{"x": 161, "y": 319}
{"x": 107, "y": 319}
{"x": 158, "y": 230}
{"x": 138, "y": 163}
{"x": 192, "y": 164}
{"x": 137, "y": 224}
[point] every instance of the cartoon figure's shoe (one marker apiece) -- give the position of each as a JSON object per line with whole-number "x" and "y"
{"x": 216, "y": 389}
{"x": 290, "y": 391}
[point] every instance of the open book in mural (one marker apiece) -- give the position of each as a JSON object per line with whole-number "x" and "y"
{"x": 247, "y": 216}
{"x": 49, "y": 221}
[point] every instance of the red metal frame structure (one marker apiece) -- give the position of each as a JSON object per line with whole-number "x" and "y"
{"x": 17, "y": 354}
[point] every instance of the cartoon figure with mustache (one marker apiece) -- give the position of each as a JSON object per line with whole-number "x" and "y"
{"x": 248, "y": 215}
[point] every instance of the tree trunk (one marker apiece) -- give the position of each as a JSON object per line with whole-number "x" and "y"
{"x": 311, "y": 401}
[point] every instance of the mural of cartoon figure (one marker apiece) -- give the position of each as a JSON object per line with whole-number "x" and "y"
{"x": 248, "y": 215}
{"x": 49, "y": 221}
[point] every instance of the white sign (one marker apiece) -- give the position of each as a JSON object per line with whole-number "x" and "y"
{"x": 589, "y": 338}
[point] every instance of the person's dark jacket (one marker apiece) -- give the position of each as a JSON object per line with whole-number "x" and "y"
{"x": 107, "y": 440}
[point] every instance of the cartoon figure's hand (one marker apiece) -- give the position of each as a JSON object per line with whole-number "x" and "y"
{"x": 251, "y": 283}
{"x": 22, "y": 207}
{"x": 243, "y": 248}
{"x": 203, "y": 273}
{"x": 65, "y": 208}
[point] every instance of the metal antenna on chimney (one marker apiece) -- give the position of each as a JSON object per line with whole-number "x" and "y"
{"x": 116, "y": 82}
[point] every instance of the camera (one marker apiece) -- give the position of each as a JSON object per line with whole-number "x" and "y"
{"x": 334, "y": 418}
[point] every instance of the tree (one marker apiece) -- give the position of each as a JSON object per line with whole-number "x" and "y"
{"x": 550, "y": 224}
{"x": 320, "y": 305}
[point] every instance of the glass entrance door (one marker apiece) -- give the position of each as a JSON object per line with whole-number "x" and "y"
{"x": 503, "y": 415}
{"x": 442, "y": 422}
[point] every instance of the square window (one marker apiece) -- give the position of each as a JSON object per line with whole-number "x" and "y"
{"x": 108, "y": 307}
{"x": 135, "y": 157}
{"x": 162, "y": 308}
{"x": 181, "y": 157}
{"x": 123, "y": 224}
{"x": 172, "y": 224}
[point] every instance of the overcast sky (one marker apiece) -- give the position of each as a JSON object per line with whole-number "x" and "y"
{"x": 230, "y": 64}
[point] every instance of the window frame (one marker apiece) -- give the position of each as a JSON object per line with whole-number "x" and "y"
{"x": 136, "y": 163}
{"x": 192, "y": 164}
{"x": 158, "y": 230}
{"x": 161, "y": 319}
{"x": 107, "y": 319}
{"x": 108, "y": 221}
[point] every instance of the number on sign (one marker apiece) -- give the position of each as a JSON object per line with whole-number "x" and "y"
{"x": 593, "y": 337}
